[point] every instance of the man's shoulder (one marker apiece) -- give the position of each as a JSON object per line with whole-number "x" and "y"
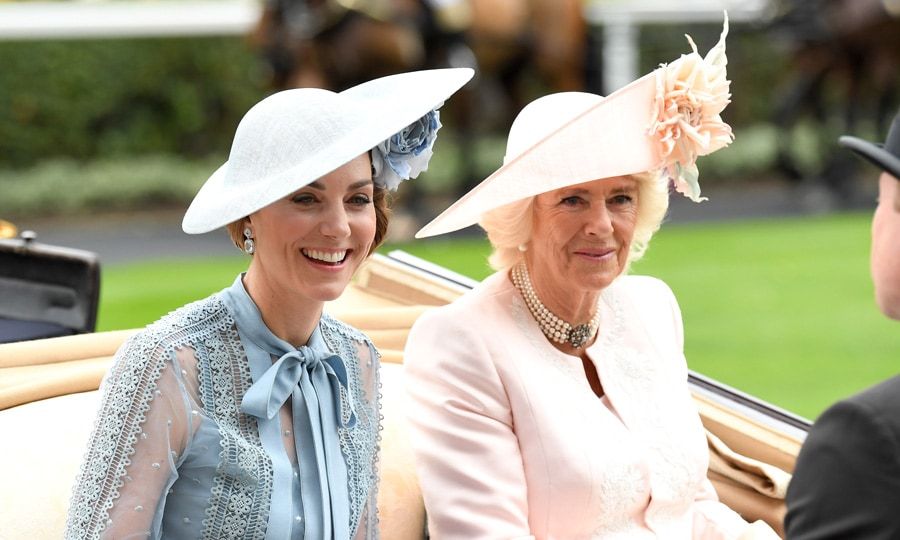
{"x": 882, "y": 399}
{"x": 870, "y": 415}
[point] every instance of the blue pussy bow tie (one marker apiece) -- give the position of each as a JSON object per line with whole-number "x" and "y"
{"x": 320, "y": 377}
{"x": 315, "y": 380}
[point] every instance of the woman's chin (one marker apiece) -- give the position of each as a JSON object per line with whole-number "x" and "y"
{"x": 598, "y": 276}
{"x": 329, "y": 294}
{"x": 597, "y": 281}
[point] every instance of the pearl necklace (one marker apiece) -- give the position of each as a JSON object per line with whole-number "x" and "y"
{"x": 552, "y": 326}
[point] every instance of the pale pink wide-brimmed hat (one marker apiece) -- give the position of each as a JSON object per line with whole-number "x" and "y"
{"x": 660, "y": 122}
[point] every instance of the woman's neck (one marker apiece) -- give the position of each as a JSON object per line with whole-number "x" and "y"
{"x": 573, "y": 306}
{"x": 289, "y": 317}
{"x": 569, "y": 336}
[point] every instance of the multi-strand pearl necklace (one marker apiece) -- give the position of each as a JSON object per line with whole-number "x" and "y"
{"x": 553, "y": 327}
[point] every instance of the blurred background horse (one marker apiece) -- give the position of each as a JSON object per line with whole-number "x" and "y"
{"x": 844, "y": 78}
{"x": 519, "y": 48}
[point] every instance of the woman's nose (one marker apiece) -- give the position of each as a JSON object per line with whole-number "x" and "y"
{"x": 335, "y": 223}
{"x": 599, "y": 221}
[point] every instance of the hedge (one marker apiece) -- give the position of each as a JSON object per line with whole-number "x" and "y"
{"x": 106, "y": 97}
{"x": 84, "y": 99}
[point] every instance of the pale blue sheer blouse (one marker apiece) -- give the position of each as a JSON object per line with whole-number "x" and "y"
{"x": 210, "y": 426}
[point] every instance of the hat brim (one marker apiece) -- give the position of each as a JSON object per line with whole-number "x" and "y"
{"x": 874, "y": 153}
{"x": 384, "y": 106}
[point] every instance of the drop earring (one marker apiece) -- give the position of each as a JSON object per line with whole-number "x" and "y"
{"x": 249, "y": 245}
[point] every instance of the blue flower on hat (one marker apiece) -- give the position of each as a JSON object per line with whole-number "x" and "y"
{"x": 406, "y": 153}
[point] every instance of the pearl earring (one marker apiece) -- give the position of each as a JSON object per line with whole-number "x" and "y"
{"x": 249, "y": 245}
{"x": 523, "y": 248}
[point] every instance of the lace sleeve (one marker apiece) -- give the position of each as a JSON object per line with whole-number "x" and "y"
{"x": 371, "y": 389}
{"x": 140, "y": 432}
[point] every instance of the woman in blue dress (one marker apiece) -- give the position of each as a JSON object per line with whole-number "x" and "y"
{"x": 251, "y": 413}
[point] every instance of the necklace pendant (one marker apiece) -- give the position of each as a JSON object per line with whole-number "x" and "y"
{"x": 579, "y": 335}
{"x": 556, "y": 329}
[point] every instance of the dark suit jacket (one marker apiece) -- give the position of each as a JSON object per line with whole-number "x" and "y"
{"x": 847, "y": 481}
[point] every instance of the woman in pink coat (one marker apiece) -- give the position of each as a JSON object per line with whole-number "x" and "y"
{"x": 552, "y": 400}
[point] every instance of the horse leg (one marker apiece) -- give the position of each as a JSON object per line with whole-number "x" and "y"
{"x": 464, "y": 108}
{"x": 559, "y": 34}
{"x": 307, "y": 69}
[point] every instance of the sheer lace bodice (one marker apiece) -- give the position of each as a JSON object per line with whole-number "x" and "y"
{"x": 173, "y": 454}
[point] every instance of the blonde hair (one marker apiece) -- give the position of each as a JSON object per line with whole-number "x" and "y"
{"x": 507, "y": 228}
{"x": 510, "y": 226}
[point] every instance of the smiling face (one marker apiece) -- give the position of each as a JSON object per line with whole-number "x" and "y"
{"x": 309, "y": 244}
{"x": 581, "y": 239}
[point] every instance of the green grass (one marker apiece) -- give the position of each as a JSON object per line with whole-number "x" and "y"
{"x": 132, "y": 295}
{"x": 781, "y": 309}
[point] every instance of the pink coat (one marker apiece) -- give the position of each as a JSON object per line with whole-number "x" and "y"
{"x": 511, "y": 442}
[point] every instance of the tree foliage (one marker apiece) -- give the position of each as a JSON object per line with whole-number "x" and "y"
{"x": 84, "y": 99}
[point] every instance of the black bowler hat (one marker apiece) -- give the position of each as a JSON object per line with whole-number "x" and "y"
{"x": 886, "y": 156}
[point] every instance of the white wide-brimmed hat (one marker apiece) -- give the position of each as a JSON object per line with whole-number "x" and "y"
{"x": 660, "y": 122}
{"x": 291, "y": 138}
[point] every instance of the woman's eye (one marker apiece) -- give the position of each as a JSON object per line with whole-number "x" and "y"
{"x": 574, "y": 200}
{"x": 622, "y": 199}
{"x": 360, "y": 200}
{"x": 303, "y": 198}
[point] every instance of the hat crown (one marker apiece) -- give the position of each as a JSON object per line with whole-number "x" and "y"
{"x": 543, "y": 116}
{"x": 286, "y": 129}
